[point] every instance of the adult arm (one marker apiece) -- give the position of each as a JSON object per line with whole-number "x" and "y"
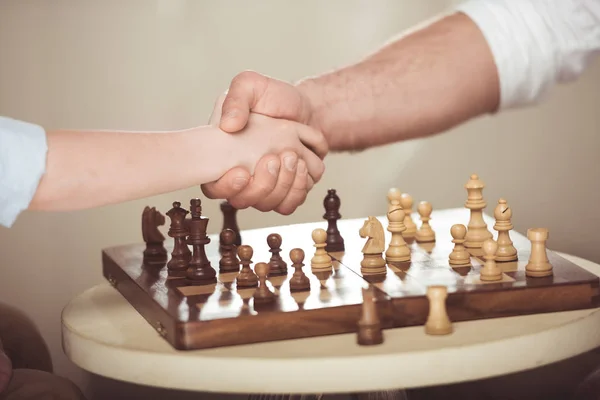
{"x": 487, "y": 56}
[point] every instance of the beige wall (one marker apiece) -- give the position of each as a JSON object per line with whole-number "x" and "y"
{"x": 142, "y": 64}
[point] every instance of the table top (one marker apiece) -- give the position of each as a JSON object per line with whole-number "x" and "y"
{"x": 104, "y": 334}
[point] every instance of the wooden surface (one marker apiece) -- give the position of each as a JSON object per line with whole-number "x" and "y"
{"x": 105, "y": 335}
{"x": 195, "y": 317}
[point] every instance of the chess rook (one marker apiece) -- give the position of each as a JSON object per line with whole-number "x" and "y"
{"x": 369, "y": 326}
{"x": 406, "y": 202}
{"x": 490, "y": 270}
{"x": 506, "y": 249}
{"x": 398, "y": 250}
{"x": 230, "y": 220}
{"x": 321, "y": 261}
{"x": 332, "y": 203}
{"x": 459, "y": 257}
{"x": 425, "y": 234}
{"x": 477, "y": 231}
{"x": 438, "y": 322}
{"x": 178, "y": 230}
{"x": 538, "y": 265}
{"x": 229, "y": 261}
{"x": 199, "y": 271}
{"x": 246, "y": 278}
{"x": 373, "y": 262}
{"x": 299, "y": 281}
{"x": 155, "y": 254}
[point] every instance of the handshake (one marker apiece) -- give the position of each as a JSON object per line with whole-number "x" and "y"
{"x": 275, "y": 139}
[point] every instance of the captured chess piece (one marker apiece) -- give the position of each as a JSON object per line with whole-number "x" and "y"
{"x": 299, "y": 281}
{"x": 155, "y": 254}
{"x": 538, "y": 265}
{"x": 398, "y": 250}
{"x": 246, "y": 277}
{"x": 277, "y": 266}
{"x": 262, "y": 294}
{"x": 321, "y": 261}
{"x": 373, "y": 262}
{"x": 178, "y": 230}
{"x": 459, "y": 257}
{"x": 230, "y": 221}
{"x": 335, "y": 241}
{"x": 477, "y": 231}
{"x": 490, "y": 270}
{"x": 506, "y": 249}
{"x": 229, "y": 261}
{"x": 438, "y": 322}
{"x": 199, "y": 271}
{"x": 369, "y": 326}
{"x": 406, "y": 202}
{"x": 425, "y": 234}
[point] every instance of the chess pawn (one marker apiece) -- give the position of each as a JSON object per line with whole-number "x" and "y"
{"x": 506, "y": 250}
{"x": 490, "y": 270}
{"x": 425, "y": 234}
{"x": 477, "y": 231}
{"x": 262, "y": 294}
{"x": 438, "y": 322}
{"x": 277, "y": 266}
{"x": 229, "y": 261}
{"x": 397, "y": 251}
{"x": 406, "y": 202}
{"x": 538, "y": 265}
{"x": 246, "y": 277}
{"x": 321, "y": 261}
{"x": 369, "y": 325}
{"x": 332, "y": 203}
{"x": 459, "y": 256}
{"x": 299, "y": 281}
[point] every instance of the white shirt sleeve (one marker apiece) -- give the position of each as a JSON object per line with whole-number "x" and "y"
{"x": 23, "y": 150}
{"x": 537, "y": 43}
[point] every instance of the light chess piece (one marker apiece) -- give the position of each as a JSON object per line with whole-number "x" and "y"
{"x": 477, "y": 231}
{"x": 321, "y": 261}
{"x": 506, "y": 249}
{"x": 398, "y": 250}
{"x": 373, "y": 262}
{"x": 406, "y": 202}
{"x": 490, "y": 270}
{"x": 538, "y": 265}
{"x": 369, "y": 325}
{"x": 425, "y": 234}
{"x": 262, "y": 294}
{"x": 459, "y": 257}
{"x": 438, "y": 322}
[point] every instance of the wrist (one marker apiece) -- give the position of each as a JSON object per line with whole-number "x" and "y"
{"x": 312, "y": 91}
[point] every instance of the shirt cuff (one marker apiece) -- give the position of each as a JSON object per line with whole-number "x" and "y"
{"x": 23, "y": 152}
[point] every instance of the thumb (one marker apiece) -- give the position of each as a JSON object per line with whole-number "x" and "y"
{"x": 244, "y": 92}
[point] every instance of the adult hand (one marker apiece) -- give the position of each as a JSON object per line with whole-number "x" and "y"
{"x": 280, "y": 182}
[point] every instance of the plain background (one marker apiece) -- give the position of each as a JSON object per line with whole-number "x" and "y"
{"x": 160, "y": 64}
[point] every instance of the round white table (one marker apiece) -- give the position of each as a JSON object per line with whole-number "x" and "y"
{"x": 105, "y": 335}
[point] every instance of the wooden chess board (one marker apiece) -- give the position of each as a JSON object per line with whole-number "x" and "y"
{"x": 198, "y": 317}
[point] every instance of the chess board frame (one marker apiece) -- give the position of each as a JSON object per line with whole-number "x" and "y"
{"x": 171, "y": 307}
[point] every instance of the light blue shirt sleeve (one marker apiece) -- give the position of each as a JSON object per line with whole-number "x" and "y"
{"x": 23, "y": 151}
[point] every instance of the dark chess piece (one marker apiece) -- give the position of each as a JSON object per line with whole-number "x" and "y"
{"x": 277, "y": 266}
{"x": 199, "y": 272}
{"x": 180, "y": 256}
{"x": 262, "y": 294}
{"x": 299, "y": 281}
{"x": 155, "y": 253}
{"x": 246, "y": 278}
{"x": 230, "y": 221}
{"x": 229, "y": 261}
{"x": 332, "y": 203}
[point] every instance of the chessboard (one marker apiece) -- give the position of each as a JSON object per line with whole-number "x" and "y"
{"x": 402, "y": 268}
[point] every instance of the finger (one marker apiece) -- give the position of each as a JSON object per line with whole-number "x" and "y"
{"x": 314, "y": 165}
{"x": 244, "y": 92}
{"x": 229, "y": 185}
{"x": 297, "y": 193}
{"x": 313, "y": 140}
{"x": 287, "y": 174}
{"x": 262, "y": 183}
